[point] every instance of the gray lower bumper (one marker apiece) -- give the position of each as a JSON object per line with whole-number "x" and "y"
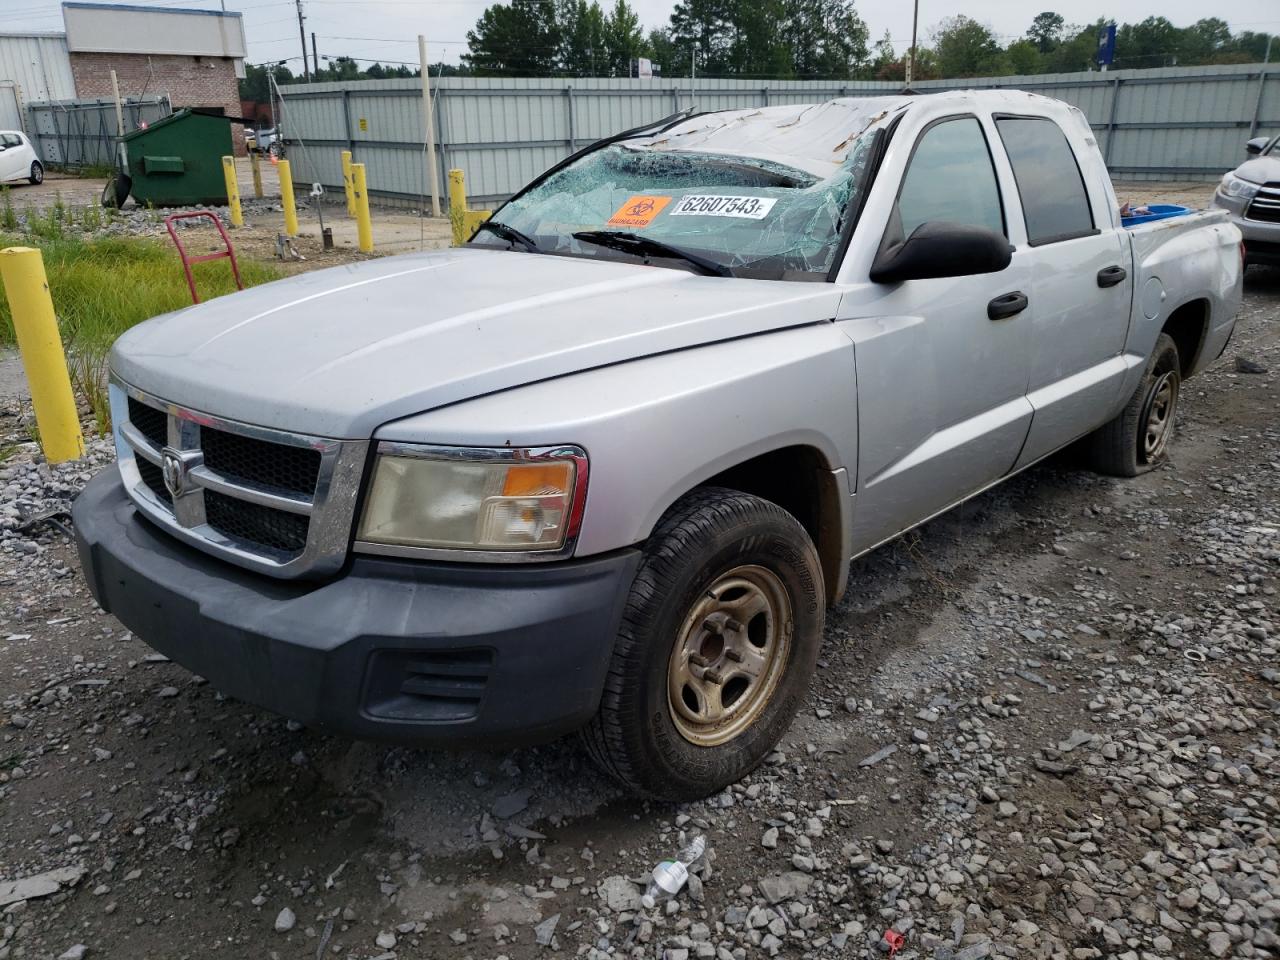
{"x": 424, "y": 653}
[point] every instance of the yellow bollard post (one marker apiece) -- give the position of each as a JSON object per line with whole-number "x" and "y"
{"x": 458, "y": 207}
{"x": 36, "y": 327}
{"x": 233, "y": 191}
{"x": 463, "y": 222}
{"x": 348, "y": 184}
{"x": 286, "y": 199}
{"x": 256, "y": 163}
{"x": 364, "y": 225}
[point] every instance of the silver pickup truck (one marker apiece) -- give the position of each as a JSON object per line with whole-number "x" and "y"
{"x": 604, "y": 468}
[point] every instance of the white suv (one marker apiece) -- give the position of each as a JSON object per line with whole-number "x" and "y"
{"x": 1251, "y": 194}
{"x": 18, "y": 160}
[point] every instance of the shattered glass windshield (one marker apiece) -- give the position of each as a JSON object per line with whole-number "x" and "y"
{"x": 773, "y": 215}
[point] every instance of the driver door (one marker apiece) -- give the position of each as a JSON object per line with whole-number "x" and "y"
{"x": 941, "y": 368}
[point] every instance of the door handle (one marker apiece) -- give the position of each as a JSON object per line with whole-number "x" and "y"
{"x": 1007, "y": 305}
{"x": 1110, "y": 276}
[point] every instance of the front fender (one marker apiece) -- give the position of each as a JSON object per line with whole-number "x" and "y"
{"x": 655, "y": 428}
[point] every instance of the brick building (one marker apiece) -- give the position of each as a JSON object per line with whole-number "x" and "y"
{"x": 195, "y": 57}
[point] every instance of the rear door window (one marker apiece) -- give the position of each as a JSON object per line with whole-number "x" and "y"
{"x": 1054, "y": 200}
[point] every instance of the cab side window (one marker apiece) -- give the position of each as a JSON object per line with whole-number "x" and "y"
{"x": 951, "y": 178}
{"x": 1054, "y": 200}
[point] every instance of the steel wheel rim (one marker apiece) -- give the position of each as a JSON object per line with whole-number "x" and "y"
{"x": 1159, "y": 421}
{"x": 729, "y": 655}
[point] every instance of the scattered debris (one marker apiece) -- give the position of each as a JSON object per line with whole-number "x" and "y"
{"x": 545, "y": 932}
{"x": 879, "y": 755}
{"x": 511, "y": 804}
{"x": 41, "y": 885}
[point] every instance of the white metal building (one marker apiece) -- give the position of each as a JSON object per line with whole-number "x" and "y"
{"x": 33, "y": 66}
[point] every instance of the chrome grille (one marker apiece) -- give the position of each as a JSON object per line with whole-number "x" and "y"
{"x": 260, "y": 463}
{"x": 1266, "y": 205}
{"x": 251, "y": 523}
{"x": 277, "y": 502}
{"x": 153, "y": 423}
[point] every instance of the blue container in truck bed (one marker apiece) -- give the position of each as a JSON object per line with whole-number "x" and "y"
{"x": 1156, "y": 211}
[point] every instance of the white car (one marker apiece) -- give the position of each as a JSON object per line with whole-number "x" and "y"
{"x": 18, "y": 160}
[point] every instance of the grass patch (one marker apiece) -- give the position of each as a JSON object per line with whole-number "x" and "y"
{"x": 102, "y": 287}
{"x": 8, "y": 216}
{"x": 93, "y": 171}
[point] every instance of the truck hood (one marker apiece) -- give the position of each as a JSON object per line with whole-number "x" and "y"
{"x": 339, "y": 352}
{"x": 1260, "y": 170}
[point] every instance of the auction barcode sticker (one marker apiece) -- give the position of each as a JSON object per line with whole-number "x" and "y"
{"x": 718, "y": 205}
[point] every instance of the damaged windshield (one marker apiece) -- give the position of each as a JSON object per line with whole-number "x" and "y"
{"x": 715, "y": 212}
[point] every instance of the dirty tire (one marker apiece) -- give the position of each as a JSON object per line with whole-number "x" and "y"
{"x": 37, "y": 173}
{"x": 116, "y": 191}
{"x": 704, "y": 536}
{"x": 1119, "y": 448}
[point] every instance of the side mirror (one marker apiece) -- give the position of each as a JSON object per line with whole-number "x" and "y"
{"x": 1256, "y": 145}
{"x": 942, "y": 249}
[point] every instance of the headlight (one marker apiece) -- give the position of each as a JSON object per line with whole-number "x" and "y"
{"x": 1233, "y": 186}
{"x": 500, "y": 501}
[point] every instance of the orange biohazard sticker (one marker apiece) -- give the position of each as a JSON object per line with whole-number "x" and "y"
{"x": 638, "y": 211}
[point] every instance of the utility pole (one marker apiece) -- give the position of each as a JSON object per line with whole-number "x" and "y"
{"x": 1266, "y": 57}
{"x": 693, "y": 62}
{"x": 302, "y": 35}
{"x": 271, "y": 95}
{"x": 315, "y": 57}
{"x": 429, "y": 123}
{"x": 911, "y": 54}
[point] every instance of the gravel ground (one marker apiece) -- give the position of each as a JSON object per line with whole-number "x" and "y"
{"x": 1044, "y": 726}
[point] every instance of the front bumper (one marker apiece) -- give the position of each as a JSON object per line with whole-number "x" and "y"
{"x": 415, "y": 652}
{"x": 1261, "y": 237}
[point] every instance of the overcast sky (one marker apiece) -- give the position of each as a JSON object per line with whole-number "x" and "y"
{"x": 386, "y": 30}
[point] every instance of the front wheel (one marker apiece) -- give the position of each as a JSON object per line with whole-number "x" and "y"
{"x": 37, "y": 173}
{"x": 1137, "y": 440}
{"x": 717, "y": 645}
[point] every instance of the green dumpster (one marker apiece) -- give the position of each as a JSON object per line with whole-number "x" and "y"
{"x": 175, "y": 162}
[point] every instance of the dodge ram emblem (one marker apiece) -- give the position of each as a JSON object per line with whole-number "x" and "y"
{"x": 175, "y": 472}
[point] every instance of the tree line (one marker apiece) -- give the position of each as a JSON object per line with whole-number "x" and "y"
{"x": 255, "y": 86}
{"x": 784, "y": 40}
{"x": 816, "y": 39}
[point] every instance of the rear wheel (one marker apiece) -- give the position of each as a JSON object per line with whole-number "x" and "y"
{"x": 37, "y": 173}
{"x": 1137, "y": 440}
{"x": 717, "y": 646}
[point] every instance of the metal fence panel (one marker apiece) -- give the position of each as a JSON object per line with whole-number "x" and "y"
{"x": 1185, "y": 123}
{"x": 82, "y": 133}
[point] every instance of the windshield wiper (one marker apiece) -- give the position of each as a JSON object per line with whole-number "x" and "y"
{"x": 509, "y": 234}
{"x": 648, "y": 247}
